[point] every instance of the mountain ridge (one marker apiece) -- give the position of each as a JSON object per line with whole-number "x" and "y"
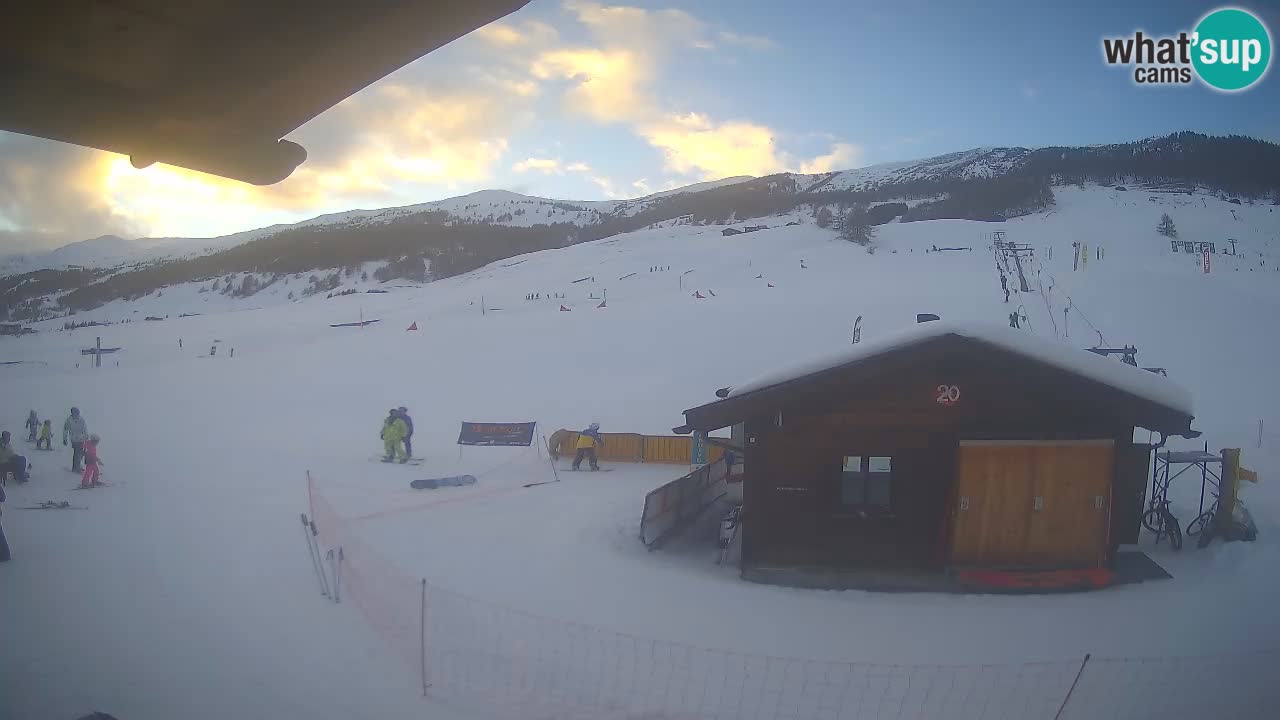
{"x": 441, "y": 238}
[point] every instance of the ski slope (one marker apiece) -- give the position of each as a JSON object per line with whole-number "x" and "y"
{"x": 186, "y": 592}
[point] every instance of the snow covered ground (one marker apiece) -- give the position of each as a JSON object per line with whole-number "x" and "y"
{"x": 185, "y": 591}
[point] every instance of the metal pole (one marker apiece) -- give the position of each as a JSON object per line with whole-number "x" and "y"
{"x": 1067, "y": 699}
{"x": 422, "y": 638}
{"x": 97, "y": 356}
{"x": 554, "y": 472}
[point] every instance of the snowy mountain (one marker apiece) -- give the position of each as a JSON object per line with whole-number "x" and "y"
{"x": 438, "y": 239}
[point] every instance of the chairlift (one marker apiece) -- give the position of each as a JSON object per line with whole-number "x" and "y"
{"x": 1128, "y": 353}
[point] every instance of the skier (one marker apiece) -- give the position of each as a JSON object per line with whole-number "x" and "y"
{"x": 77, "y": 431}
{"x": 408, "y": 432}
{"x": 1013, "y": 320}
{"x": 32, "y": 424}
{"x": 393, "y": 432}
{"x": 1004, "y": 282}
{"x": 11, "y": 462}
{"x": 91, "y": 463}
{"x": 1006, "y": 294}
{"x": 46, "y": 436}
{"x": 588, "y": 441}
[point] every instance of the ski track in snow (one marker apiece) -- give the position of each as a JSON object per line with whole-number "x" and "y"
{"x": 187, "y": 592}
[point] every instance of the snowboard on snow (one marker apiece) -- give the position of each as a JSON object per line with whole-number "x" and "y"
{"x": 433, "y": 483}
{"x": 410, "y": 461}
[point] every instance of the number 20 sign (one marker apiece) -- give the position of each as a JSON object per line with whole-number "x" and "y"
{"x": 948, "y": 394}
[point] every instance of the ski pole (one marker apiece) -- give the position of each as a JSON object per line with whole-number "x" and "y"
{"x": 311, "y": 550}
{"x": 324, "y": 577}
{"x": 333, "y": 568}
{"x": 337, "y": 575}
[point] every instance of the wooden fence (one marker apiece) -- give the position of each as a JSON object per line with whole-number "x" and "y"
{"x": 631, "y": 447}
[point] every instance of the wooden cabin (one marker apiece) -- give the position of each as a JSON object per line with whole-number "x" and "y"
{"x": 945, "y": 447}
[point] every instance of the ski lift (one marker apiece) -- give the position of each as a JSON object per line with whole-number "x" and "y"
{"x": 1128, "y": 354}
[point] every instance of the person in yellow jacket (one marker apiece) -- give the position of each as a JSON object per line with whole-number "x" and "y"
{"x": 394, "y": 431}
{"x": 588, "y": 441}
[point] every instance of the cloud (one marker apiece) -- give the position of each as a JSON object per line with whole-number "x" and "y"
{"x": 545, "y": 165}
{"x": 607, "y": 85}
{"x": 843, "y": 156}
{"x": 606, "y": 186}
{"x": 693, "y": 144}
{"x": 49, "y": 195}
{"x": 507, "y": 35}
{"x": 751, "y": 42}
{"x": 624, "y": 26}
{"x": 550, "y": 166}
{"x": 612, "y": 82}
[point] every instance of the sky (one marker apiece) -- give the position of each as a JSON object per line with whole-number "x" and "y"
{"x": 586, "y": 100}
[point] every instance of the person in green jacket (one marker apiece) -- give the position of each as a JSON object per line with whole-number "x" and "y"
{"x": 394, "y": 430}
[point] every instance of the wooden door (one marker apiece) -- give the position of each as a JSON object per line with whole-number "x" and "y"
{"x": 1032, "y": 504}
{"x": 993, "y": 493}
{"x": 1074, "y": 483}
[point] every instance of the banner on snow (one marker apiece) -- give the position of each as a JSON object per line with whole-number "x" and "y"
{"x": 503, "y": 434}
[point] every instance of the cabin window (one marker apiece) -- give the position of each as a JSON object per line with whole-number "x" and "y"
{"x": 866, "y": 482}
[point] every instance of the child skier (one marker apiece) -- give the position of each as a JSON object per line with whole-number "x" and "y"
{"x": 91, "y": 463}
{"x": 588, "y": 441}
{"x": 32, "y": 425}
{"x": 393, "y": 432}
{"x": 46, "y": 436}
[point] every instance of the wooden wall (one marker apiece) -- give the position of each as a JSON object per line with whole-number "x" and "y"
{"x": 792, "y": 508}
{"x": 631, "y": 447}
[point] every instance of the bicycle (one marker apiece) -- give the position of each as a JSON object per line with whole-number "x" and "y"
{"x": 1203, "y": 521}
{"x": 1162, "y": 522}
{"x": 1205, "y": 524}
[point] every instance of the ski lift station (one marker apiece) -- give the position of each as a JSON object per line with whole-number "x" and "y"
{"x": 945, "y": 450}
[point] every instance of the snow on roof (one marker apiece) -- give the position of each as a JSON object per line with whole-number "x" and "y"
{"x": 1135, "y": 381}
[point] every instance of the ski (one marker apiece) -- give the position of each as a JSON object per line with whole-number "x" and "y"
{"x": 97, "y": 485}
{"x": 51, "y": 505}
{"x": 590, "y": 471}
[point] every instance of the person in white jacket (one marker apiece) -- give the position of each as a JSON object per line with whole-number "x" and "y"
{"x": 77, "y": 431}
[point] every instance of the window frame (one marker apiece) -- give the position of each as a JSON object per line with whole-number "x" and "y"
{"x": 865, "y": 504}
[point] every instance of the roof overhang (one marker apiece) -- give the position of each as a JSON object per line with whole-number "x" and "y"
{"x": 211, "y": 85}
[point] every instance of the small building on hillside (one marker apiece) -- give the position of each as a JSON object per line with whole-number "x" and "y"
{"x": 730, "y": 231}
{"x": 946, "y": 447}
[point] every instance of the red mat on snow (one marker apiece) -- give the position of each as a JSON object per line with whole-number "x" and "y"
{"x": 1036, "y": 580}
